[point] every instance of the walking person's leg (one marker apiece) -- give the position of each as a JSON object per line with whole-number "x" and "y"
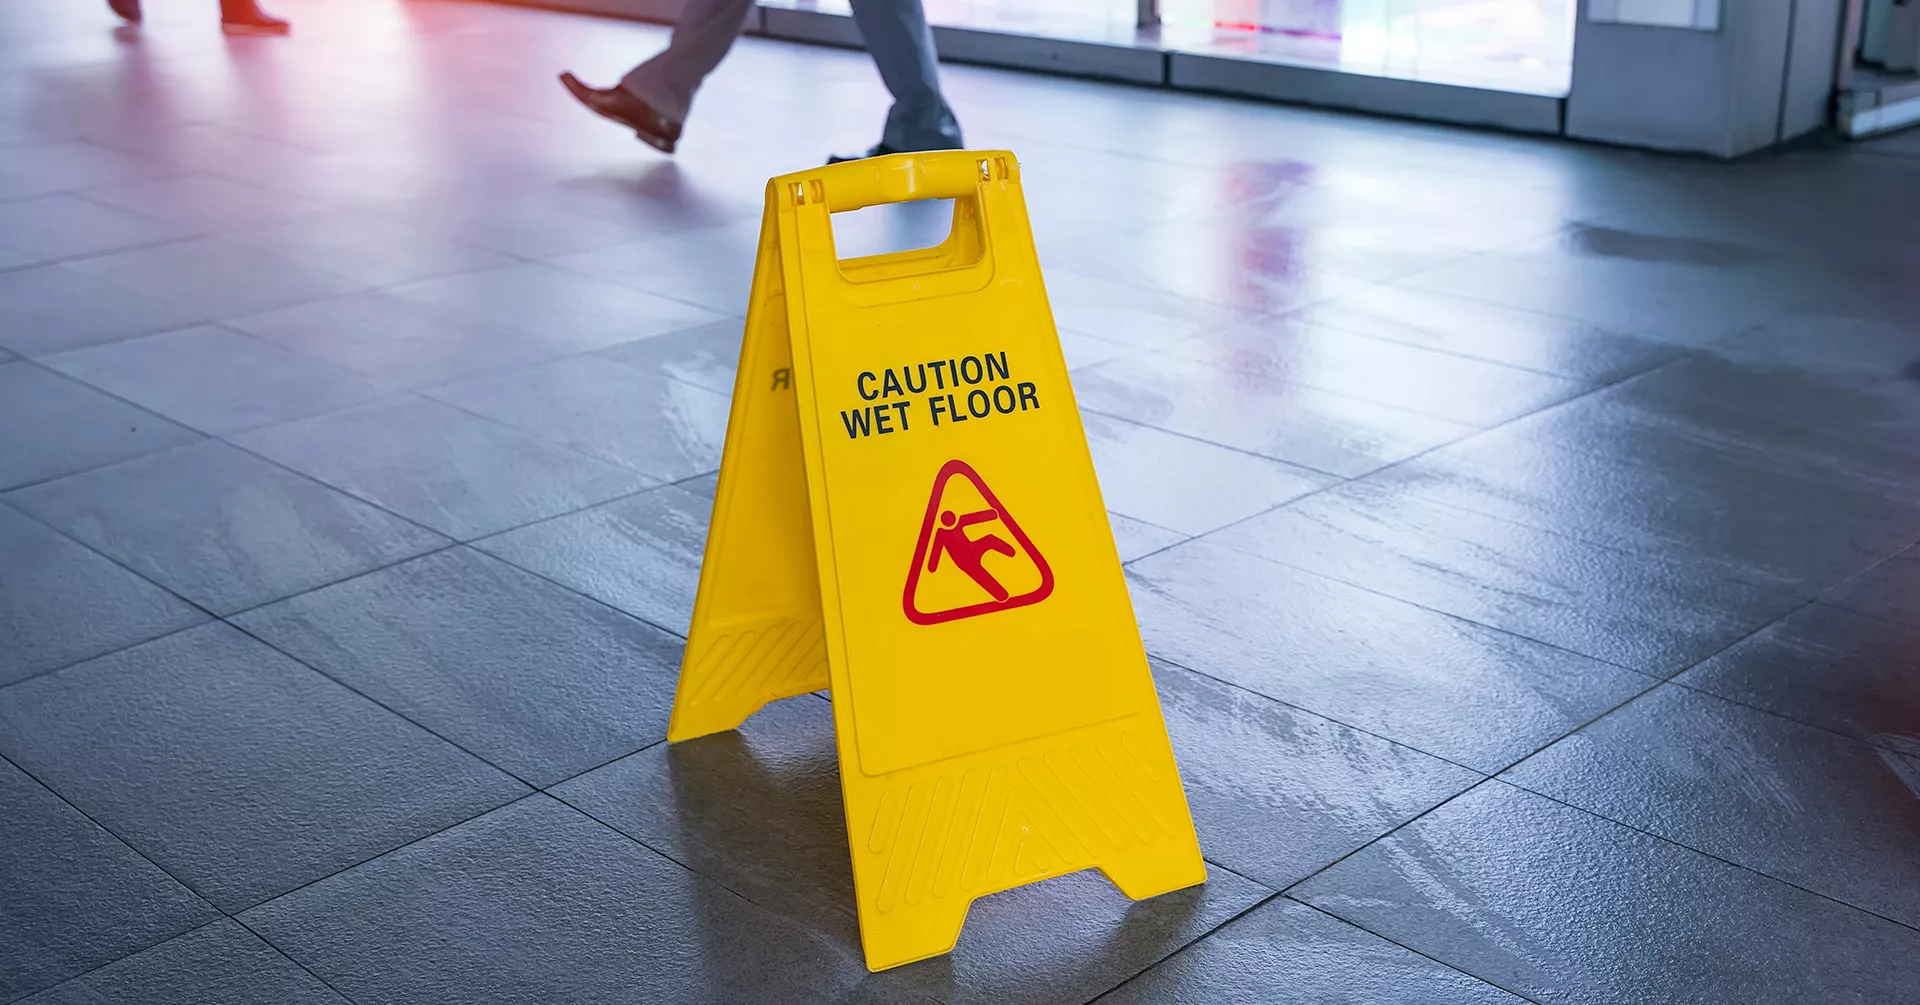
{"x": 897, "y": 34}
{"x": 653, "y": 98}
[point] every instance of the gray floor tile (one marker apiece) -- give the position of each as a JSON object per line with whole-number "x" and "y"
{"x": 1683, "y": 303}
{"x": 592, "y": 313}
{"x": 1863, "y": 432}
{"x": 1831, "y": 668}
{"x": 1447, "y": 687}
{"x": 640, "y": 554}
{"x": 1370, "y": 205}
{"x": 1480, "y": 330}
{"x": 662, "y": 428}
{"x": 1801, "y": 804}
{"x": 536, "y": 679}
{"x": 1126, "y": 312}
{"x": 711, "y": 267}
{"x": 1305, "y": 426}
{"x": 1137, "y": 539}
{"x": 218, "y": 381}
{"x": 1686, "y": 493}
{"x": 1871, "y": 348}
{"x": 76, "y": 164}
{"x": 400, "y": 342}
{"x": 306, "y": 156}
{"x": 1645, "y": 612}
{"x": 1259, "y": 252}
{"x": 1289, "y": 350}
{"x": 459, "y": 474}
{"x": 1219, "y": 268}
{"x": 1083, "y": 351}
{"x": 706, "y": 356}
{"x": 61, "y": 226}
{"x": 1889, "y": 590}
{"x": 517, "y": 227}
{"x": 61, "y": 603}
{"x": 76, "y": 897}
{"x": 221, "y": 528}
{"x": 51, "y": 426}
{"x": 535, "y": 902}
{"x": 54, "y": 308}
{"x": 1285, "y": 951}
{"x": 254, "y": 774}
{"x": 213, "y": 278}
{"x": 1184, "y": 484}
{"x": 1278, "y": 793}
{"x": 369, "y": 249}
{"x": 759, "y": 810}
{"x": 205, "y": 202}
{"x": 218, "y": 964}
{"x": 1562, "y": 906}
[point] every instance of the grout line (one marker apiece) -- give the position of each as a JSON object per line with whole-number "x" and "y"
{"x": 1418, "y": 455}
{"x": 1493, "y": 776}
{"x": 111, "y": 652}
{"x": 1657, "y": 682}
{"x": 549, "y": 787}
{"x": 523, "y": 797}
{"x": 206, "y": 613}
{"x": 697, "y": 873}
{"x": 1449, "y": 615}
{"x": 1856, "y": 612}
{"x": 1182, "y": 949}
{"x": 90, "y": 971}
{"x": 289, "y": 957}
{"x": 143, "y": 856}
{"x": 1395, "y": 829}
{"x": 1787, "y": 717}
{"x": 1191, "y": 438}
{"x": 404, "y": 717}
{"x": 1480, "y": 773}
{"x": 449, "y": 545}
{"x": 400, "y": 394}
{"x": 1706, "y": 854}
{"x": 1385, "y": 938}
{"x": 117, "y": 249}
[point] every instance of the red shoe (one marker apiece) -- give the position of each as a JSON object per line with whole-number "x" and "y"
{"x": 252, "y": 21}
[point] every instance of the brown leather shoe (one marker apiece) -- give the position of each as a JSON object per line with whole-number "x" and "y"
{"x": 616, "y": 104}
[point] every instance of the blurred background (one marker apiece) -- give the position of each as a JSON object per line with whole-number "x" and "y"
{"x": 1507, "y": 413}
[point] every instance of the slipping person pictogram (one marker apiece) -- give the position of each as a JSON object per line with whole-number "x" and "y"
{"x": 959, "y": 505}
{"x": 970, "y": 553}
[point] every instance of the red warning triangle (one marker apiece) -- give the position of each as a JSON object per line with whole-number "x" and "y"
{"x": 964, "y": 565}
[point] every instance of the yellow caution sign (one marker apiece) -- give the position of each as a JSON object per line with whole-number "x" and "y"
{"x": 907, "y": 514}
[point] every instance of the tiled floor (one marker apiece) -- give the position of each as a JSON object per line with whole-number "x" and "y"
{"x": 1524, "y": 535}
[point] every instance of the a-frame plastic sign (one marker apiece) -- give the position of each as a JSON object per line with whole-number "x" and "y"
{"x": 907, "y": 514}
